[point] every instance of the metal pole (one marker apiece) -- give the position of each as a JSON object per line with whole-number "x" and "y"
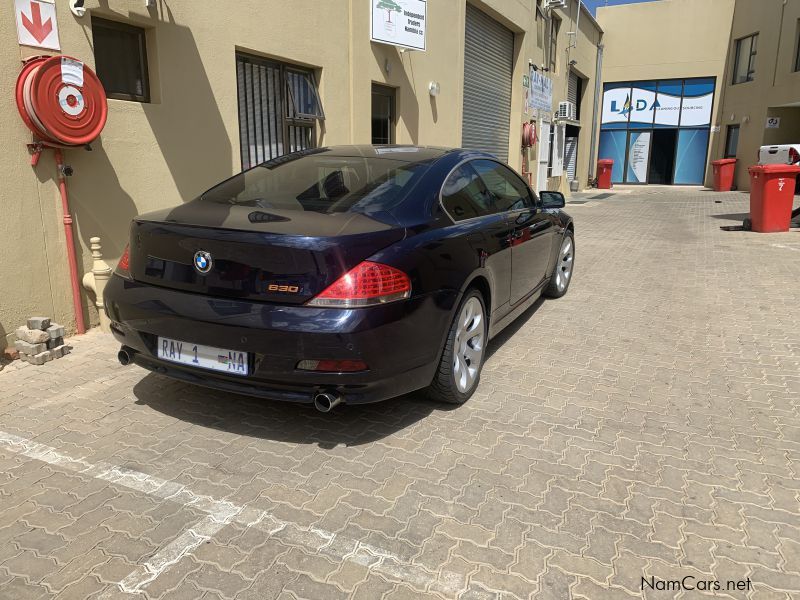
{"x": 71, "y": 256}
{"x": 597, "y": 109}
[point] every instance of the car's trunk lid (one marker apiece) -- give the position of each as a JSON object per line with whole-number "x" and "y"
{"x": 271, "y": 255}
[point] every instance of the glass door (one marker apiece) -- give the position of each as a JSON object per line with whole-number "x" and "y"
{"x": 638, "y": 156}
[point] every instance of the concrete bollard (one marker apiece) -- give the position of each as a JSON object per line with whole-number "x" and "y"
{"x": 95, "y": 281}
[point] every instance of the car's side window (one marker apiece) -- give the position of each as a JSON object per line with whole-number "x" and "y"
{"x": 506, "y": 190}
{"x": 464, "y": 194}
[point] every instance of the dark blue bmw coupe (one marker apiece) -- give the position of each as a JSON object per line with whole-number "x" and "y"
{"x": 344, "y": 274}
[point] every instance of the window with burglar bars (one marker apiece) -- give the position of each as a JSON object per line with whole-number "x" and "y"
{"x": 278, "y": 109}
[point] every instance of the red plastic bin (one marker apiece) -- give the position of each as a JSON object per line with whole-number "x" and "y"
{"x": 604, "y": 168}
{"x": 723, "y": 174}
{"x": 771, "y": 197}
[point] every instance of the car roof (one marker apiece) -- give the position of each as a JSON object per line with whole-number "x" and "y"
{"x": 401, "y": 152}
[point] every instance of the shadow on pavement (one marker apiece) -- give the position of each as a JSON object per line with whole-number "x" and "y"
{"x": 351, "y": 425}
{"x": 501, "y": 338}
{"x": 732, "y": 216}
{"x": 282, "y": 421}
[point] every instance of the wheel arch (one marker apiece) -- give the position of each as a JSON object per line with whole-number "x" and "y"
{"x": 481, "y": 283}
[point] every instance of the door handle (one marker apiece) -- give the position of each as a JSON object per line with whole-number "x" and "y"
{"x": 540, "y": 226}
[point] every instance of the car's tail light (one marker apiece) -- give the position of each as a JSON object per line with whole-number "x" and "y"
{"x": 794, "y": 156}
{"x": 332, "y": 366}
{"x": 124, "y": 265}
{"x": 366, "y": 284}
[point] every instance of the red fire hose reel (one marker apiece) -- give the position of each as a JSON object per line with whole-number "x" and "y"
{"x": 61, "y": 100}
{"x": 64, "y": 104}
{"x": 529, "y": 135}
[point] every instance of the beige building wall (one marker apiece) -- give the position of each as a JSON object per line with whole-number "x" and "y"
{"x": 669, "y": 39}
{"x": 775, "y": 89}
{"x": 158, "y": 154}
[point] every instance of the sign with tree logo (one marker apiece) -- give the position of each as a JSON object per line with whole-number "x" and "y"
{"x": 399, "y": 23}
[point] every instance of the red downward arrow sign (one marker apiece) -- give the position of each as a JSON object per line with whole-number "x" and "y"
{"x": 37, "y": 29}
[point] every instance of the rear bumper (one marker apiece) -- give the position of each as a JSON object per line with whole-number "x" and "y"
{"x": 400, "y": 342}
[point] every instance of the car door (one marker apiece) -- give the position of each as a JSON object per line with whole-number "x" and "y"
{"x": 481, "y": 231}
{"x": 532, "y": 229}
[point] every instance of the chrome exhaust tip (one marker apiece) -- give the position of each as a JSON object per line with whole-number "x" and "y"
{"x": 125, "y": 356}
{"x": 326, "y": 401}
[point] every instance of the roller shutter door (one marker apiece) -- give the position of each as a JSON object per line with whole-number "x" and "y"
{"x": 571, "y": 157}
{"x": 572, "y": 88}
{"x": 488, "y": 63}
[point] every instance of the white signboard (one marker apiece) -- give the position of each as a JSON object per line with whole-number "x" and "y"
{"x": 642, "y": 102}
{"x": 696, "y": 111}
{"x": 36, "y": 23}
{"x": 541, "y": 92}
{"x": 616, "y": 105}
{"x": 399, "y": 23}
{"x": 667, "y": 109}
{"x": 639, "y": 156}
{"x": 773, "y": 122}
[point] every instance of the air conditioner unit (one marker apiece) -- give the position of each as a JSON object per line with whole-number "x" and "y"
{"x": 555, "y": 4}
{"x": 566, "y": 110}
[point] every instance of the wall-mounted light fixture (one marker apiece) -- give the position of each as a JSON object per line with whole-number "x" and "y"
{"x": 387, "y": 66}
{"x": 433, "y": 89}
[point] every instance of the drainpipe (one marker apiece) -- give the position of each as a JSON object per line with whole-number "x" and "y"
{"x": 71, "y": 256}
{"x": 780, "y": 35}
{"x": 597, "y": 109}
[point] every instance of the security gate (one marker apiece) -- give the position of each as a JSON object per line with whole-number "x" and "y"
{"x": 278, "y": 106}
{"x": 488, "y": 62}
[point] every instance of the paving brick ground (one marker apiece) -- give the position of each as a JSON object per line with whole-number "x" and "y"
{"x": 646, "y": 425}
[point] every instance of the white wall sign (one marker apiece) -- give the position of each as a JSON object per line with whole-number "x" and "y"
{"x": 541, "y": 92}
{"x": 667, "y": 109}
{"x": 645, "y": 106}
{"x": 36, "y": 23}
{"x": 696, "y": 111}
{"x": 773, "y": 122}
{"x": 642, "y": 103}
{"x": 616, "y": 105}
{"x": 399, "y": 23}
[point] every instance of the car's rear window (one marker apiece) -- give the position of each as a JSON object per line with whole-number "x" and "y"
{"x": 322, "y": 183}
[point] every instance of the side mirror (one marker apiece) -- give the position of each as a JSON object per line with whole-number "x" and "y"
{"x": 552, "y": 199}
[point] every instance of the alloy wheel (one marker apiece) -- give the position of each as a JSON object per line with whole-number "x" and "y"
{"x": 564, "y": 266}
{"x": 469, "y": 345}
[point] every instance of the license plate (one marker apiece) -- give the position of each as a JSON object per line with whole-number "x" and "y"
{"x": 204, "y": 357}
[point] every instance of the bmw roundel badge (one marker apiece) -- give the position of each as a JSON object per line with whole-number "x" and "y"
{"x": 203, "y": 261}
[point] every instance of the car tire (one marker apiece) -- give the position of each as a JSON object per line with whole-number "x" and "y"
{"x": 457, "y": 377}
{"x": 563, "y": 269}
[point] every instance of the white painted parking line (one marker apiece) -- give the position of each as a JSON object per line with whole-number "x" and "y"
{"x": 786, "y": 247}
{"x": 221, "y": 513}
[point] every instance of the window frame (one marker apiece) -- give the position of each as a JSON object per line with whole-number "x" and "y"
{"x": 797, "y": 49}
{"x": 294, "y": 113}
{"x": 292, "y": 124}
{"x": 751, "y": 56}
{"x": 509, "y": 174}
{"x": 535, "y": 203}
{"x": 728, "y": 131}
{"x": 141, "y": 33}
{"x": 552, "y": 43}
{"x": 385, "y": 91}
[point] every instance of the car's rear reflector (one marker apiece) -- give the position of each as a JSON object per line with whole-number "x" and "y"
{"x": 366, "y": 284}
{"x": 124, "y": 265}
{"x": 332, "y": 366}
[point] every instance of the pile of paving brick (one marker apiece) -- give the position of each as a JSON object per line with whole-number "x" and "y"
{"x": 41, "y": 341}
